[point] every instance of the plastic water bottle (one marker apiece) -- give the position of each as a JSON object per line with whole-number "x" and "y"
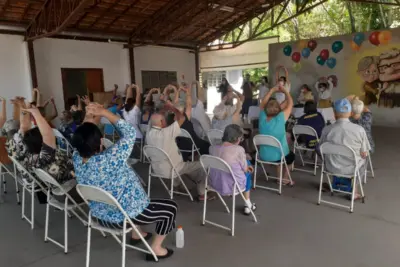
{"x": 180, "y": 237}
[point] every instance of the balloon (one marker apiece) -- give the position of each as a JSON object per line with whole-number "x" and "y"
{"x": 359, "y": 38}
{"x": 320, "y": 60}
{"x": 354, "y": 46}
{"x": 312, "y": 45}
{"x": 324, "y": 54}
{"x": 331, "y": 62}
{"x": 287, "y": 50}
{"x": 374, "y": 38}
{"x": 385, "y": 37}
{"x": 337, "y": 46}
{"x": 306, "y": 52}
{"x": 296, "y": 66}
{"x": 296, "y": 57}
{"x": 302, "y": 44}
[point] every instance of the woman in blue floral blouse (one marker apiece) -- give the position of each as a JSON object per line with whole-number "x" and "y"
{"x": 109, "y": 170}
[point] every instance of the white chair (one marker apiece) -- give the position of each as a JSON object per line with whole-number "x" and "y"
{"x": 329, "y": 149}
{"x": 3, "y": 181}
{"x": 371, "y": 167}
{"x": 267, "y": 140}
{"x": 31, "y": 187}
{"x": 68, "y": 206}
{"x": 61, "y": 140}
{"x": 114, "y": 134}
{"x": 107, "y": 143}
{"x": 211, "y": 162}
{"x": 215, "y": 136}
{"x": 305, "y": 130}
{"x": 143, "y": 128}
{"x": 92, "y": 193}
{"x": 152, "y": 153}
{"x": 185, "y": 134}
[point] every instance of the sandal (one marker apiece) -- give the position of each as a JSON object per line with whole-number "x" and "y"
{"x": 209, "y": 197}
{"x": 135, "y": 242}
{"x": 149, "y": 257}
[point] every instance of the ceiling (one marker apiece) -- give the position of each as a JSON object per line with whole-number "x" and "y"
{"x": 194, "y": 22}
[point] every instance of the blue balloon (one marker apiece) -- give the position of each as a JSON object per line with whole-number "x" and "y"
{"x": 359, "y": 38}
{"x": 331, "y": 62}
{"x": 287, "y": 50}
{"x": 306, "y": 52}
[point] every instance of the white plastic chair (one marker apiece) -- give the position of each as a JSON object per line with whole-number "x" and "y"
{"x": 62, "y": 140}
{"x": 215, "y": 136}
{"x": 92, "y": 193}
{"x": 68, "y": 206}
{"x": 268, "y": 140}
{"x": 185, "y": 134}
{"x": 371, "y": 168}
{"x": 329, "y": 149}
{"x": 305, "y": 130}
{"x": 157, "y": 155}
{"x": 3, "y": 181}
{"x": 210, "y": 162}
{"x": 32, "y": 187}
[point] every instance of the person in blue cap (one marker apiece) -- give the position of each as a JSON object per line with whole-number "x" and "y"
{"x": 344, "y": 132}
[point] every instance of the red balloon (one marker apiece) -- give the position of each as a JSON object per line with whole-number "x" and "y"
{"x": 374, "y": 38}
{"x": 296, "y": 57}
{"x": 312, "y": 45}
{"x": 324, "y": 54}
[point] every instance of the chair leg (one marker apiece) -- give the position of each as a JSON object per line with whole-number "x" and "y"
{"x": 315, "y": 164}
{"x": 148, "y": 185}
{"x": 46, "y": 226}
{"x": 361, "y": 189}
{"x": 280, "y": 178}
{"x": 172, "y": 189}
{"x": 233, "y": 214}
{"x": 32, "y": 205}
{"x": 321, "y": 180}
{"x": 353, "y": 192}
{"x": 294, "y": 152}
{"x": 372, "y": 167}
{"x": 66, "y": 226}
{"x": 255, "y": 175}
{"x": 124, "y": 244}
{"x": 16, "y": 184}
{"x": 204, "y": 206}
{"x": 265, "y": 172}
{"x": 23, "y": 202}
{"x": 223, "y": 202}
{"x": 186, "y": 189}
{"x": 88, "y": 241}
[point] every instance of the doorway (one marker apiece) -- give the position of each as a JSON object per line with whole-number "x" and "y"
{"x": 80, "y": 82}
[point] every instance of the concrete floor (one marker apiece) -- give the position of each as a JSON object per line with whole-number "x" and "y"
{"x": 292, "y": 229}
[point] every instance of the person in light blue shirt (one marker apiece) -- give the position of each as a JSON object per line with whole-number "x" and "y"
{"x": 272, "y": 120}
{"x": 108, "y": 170}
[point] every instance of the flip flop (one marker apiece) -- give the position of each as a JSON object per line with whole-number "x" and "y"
{"x": 135, "y": 242}
{"x": 149, "y": 257}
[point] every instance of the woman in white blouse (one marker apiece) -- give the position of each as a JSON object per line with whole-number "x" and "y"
{"x": 131, "y": 111}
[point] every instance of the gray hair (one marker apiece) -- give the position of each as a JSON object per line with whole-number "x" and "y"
{"x": 232, "y": 133}
{"x": 357, "y": 106}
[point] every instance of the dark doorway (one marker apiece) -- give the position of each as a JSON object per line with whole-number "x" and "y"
{"x": 80, "y": 82}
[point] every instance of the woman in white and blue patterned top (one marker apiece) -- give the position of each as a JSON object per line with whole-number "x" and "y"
{"x": 108, "y": 169}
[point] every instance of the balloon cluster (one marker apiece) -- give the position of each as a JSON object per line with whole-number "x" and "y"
{"x": 376, "y": 38}
{"x": 307, "y": 48}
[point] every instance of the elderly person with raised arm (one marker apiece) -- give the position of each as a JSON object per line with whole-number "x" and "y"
{"x": 226, "y": 112}
{"x": 108, "y": 169}
{"x": 362, "y": 116}
{"x": 272, "y": 120}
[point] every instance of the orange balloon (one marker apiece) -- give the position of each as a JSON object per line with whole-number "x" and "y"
{"x": 302, "y": 44}
{"x": 385, "y": 37}
{"x": 354, "y": 46}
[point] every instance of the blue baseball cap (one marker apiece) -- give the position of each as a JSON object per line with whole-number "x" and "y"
{"x": 342, "y": 105}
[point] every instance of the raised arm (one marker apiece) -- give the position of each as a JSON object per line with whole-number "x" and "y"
{"x": 267, "y": 97}
{"x": 178, "y": 116}
{"x": 38, "y": 98}
{"x": 79, "y": 102}
{"x": 238, "y": 94}
{"x": 238, "y": 105}
{"x": 188, "y": 109}
{"x": 138, "y": 101}
{"x": 151, "y": 92}
{"x": 3, "y": 114}
{"x": 55, "y": 111}
{"x": 23, "y": 117}
{"x": 45, "y": 130}
{"x": 129, "y": 93}
{"x": 167, "y": 90}
{"x": 288, "y": 106}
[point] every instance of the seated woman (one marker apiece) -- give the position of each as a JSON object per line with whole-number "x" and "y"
{"x": 273, "y": 117}
{"x": 36, "y": 148}
{"x": 231, "y": 152}
{"x": 186, "y": 124}
{"x": 313, "y": 119}
{"x": 108, "y": 170}
{"x": 305, "y": 95}
{"x": 362, "y": 116}
{"x": 226, "y": 112}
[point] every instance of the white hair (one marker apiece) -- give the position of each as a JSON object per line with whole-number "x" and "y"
{"x": 357, "y": 106}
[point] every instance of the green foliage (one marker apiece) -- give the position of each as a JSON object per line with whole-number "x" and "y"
{"x": 256, "y": 74}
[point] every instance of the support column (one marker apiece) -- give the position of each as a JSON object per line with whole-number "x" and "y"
{"x": 132, "y": 63}
{"x": 197, "y": 64}
{"x": 32, "y": 64}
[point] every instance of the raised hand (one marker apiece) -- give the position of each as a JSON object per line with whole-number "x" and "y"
{"x": 2, "y": 99}
{"x": 95, "y": 109}
{"x": 73, "y": 108}
{"x": 85, "y": 100}
{"x": 32, "y": 110}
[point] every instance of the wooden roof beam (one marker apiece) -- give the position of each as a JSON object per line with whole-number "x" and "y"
{"x": 3, "y": 9}
{"x": 126, "y": 10}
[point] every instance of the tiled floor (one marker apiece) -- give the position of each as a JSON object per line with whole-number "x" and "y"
{"x": 292, "y": 229}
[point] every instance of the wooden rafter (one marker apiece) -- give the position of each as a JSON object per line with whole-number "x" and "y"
{"x": 101, "y": 16}
{"x": 126, "y": 10}
{"x": 5, "y": 5}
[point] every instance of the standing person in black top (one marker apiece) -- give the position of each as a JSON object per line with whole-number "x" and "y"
{"x": 247, "y": 88}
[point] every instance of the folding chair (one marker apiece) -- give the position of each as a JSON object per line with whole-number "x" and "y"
{"x": 152, "y": 152}
{"x": 211, "y": 162}
{"x": 215, "y": 136}
{"x": 32, "y": 187}
{"x": 61, "y": 140}
{"x": 5, "y": 160}
{"x": 107, "y": 143}
{"x": 68, "y": 206}
{"x": 185, "y": 134}
{"x": 305, "y": 130}
{"x": 268, "y": 140}
{"x": 143, "y": 129}
{"x": 329, "y": 149}
{"x": 92, "y": 193}
{"x": 371, "y": 166}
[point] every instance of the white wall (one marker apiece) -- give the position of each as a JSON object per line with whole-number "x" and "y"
{"x": 53, "y": 54}
{"x": 15, "y": 78}
{"x": 158, "y": 58}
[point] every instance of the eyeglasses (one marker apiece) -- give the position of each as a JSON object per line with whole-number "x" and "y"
{"x": 383, "y": 68}
{"x": 369, "y": 73}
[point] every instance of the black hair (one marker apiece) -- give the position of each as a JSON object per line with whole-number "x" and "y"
{"x": 78, "y": 116}
{"x": 305, "y": 86}
{"x": 223, "y": 88}
{"x": 33, "y": 140}
{"x": 310, "y": 107}
{"x": 130, "y": 103}
{"x": 265, "y": 78}
{"x": 87, "y": 140}
{"x": 283, "y": 78}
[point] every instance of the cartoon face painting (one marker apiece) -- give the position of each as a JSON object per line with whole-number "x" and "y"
{"x": 389, "y": 66}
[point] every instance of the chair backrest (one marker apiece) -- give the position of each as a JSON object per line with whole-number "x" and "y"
{"x": 328, "y": 148}
{"x": 21, "y": 169}
{"x": 60, "y": 137}
{"x": 185, "y": 134}
{"x": 266, "y": 140}
{"x": 254, "y": 112}
{"x": 304, "y": 129}
{"x": 47, "y": 178}
{"x": 212, "y": 162}
{"x": 107, "y": 143}
{"x": 152, "y": 152}
{"x": 215, "y": 136}
{"x": 143, "y": 128}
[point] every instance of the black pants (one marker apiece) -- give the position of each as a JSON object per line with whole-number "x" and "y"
{"x": 159, "y": 211}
